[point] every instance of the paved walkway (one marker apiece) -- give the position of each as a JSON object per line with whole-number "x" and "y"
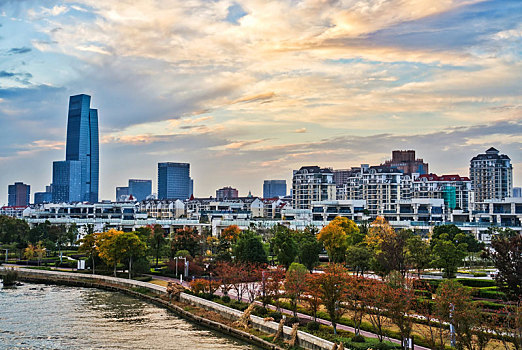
{"x": 300, "y": 315}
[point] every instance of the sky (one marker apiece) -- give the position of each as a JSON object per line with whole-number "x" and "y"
{"x": 250, "y": 90}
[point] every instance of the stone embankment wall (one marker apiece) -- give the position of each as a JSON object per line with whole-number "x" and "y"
{"x": 305, "y": 340}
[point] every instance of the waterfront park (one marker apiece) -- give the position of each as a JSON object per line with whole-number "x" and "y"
{"x": 358, "y": 286}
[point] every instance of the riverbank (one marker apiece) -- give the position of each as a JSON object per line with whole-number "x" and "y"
{"x": 194, "y": 309}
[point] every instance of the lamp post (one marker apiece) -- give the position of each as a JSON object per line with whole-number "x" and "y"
{"x": 452, "y": 328}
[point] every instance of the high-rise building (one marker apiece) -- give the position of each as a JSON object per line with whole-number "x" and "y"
{"x": 83, "y": 144}
{"x": 18, "y": 194}
{"x": 140, "y": 189}
{"x": 454, "y": 189}
{"x": 122, "y": 193}
{"x": 312, "y": 183}
{"x": 67, "y": 181}
{"x": 174, "y": 180}
{"x": 405, "y": 162}
{"x": 44, "y": 197}
{"x": 274, "y": 188}
{"x": 227, "y": 193}
{"x": 491, "y": 175}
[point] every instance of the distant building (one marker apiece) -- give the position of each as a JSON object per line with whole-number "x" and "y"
{"x": 517, "y": 192}
{"x": 491, "y": 176}
{"x": 274, "y": 188}
{"x": 83, "y": 145}
{"x": 140, "y": 189}
{"x": 174, "y": 181}
{"x": 67, "y": 181}
{"x": 121, "y": 194}
{"x": 312, "y": 183}
{"x": 406, "y": 163}
{"x": 455, "y": 190}
{"x": 43, "y": 197}
{"x": 227, "y": 193}
{"x": 18, "y": 194}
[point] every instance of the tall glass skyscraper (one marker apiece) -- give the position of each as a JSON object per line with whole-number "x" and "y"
{"x": 140, "y": 189}
{"x": 174, "y": 181}
{"x": 274, "y": 188}
{"x": 83, "y": 144}
{"x": 67, "y": 181}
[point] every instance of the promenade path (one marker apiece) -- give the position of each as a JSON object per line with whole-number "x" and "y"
{"x": 300, "y": 315}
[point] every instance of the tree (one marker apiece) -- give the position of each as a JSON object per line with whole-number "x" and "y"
{"x": 358, "y": 257}
{"x": 356, "y": 288}
{"x": 453, "y": 305}
{"x": 400, "y": 299}
{"x": 249, "y": 248}
{"x": 332, "y": 287}
{"x": 37, "y": 250}
{"x": 230, "y": 233}
{"x": 272, "y": 285}
{"x": 186, "y": 239}
{"x": 107, "y": 249}
{"x": 417, "y": 253}
{"x": 312, "y": 294}
{"x": 295, "y": 284}
{"x": 308, "y": 248}
{"x": 128, "y": 246}
{"x": 448, "y": 255}
{"x": 284, "y": 245}
{"x": 506, "y": 254}
{"x": 376, "y": 297}
{"x": 337, "y": 236}
{"x": 457, "y": 236}
{"x": 157, "y": 241}
{"x": 508, "y": 326}
{"x": 88, "y": 247}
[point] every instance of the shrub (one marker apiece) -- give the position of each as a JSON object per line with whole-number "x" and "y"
{"x": 9, "y": 279}
{"x": 313, "y": 326}
{"x": 226, "y": 299}
{"x": 198, "y": 286}
{"x": 358, "y": 339}
{"x": 261, "y": 311}
{"x": 143, "y": 278}
{"x": 291, "y": 320}
{"x": 275, "y": 315}
{"x": 238, "y": 305}
{"x": 471, "y": 282}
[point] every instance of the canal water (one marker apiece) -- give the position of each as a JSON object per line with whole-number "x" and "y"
{"x": 36, "y": 316}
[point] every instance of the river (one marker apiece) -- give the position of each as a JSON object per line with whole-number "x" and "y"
{"x": 36, "y": 316}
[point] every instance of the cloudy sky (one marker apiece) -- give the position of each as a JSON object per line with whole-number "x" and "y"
{"x": 249, "y": 90}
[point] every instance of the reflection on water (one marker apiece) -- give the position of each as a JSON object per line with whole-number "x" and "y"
{"x": 56, "y": 317}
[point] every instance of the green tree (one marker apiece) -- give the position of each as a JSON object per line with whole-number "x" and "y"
{"x": 157, "y": 241}
{"x": 88, "y": 247}
{"x": 186, "y": 239}
{"x": 249, "y": 248}
{"x": 128, "y": 246}
{"x": 308, "y": 248}
{"x": 417, "y": 253}
{"x": 458, "y": 236}
{"x": 284, "y": 245}
{"x": 507, "y": 257}
{"x": 358, "y": 257}
{"x": 448, "y": 255}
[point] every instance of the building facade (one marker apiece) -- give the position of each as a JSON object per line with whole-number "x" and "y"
{"x": 455, "y": 190}
{"x": 83, "y": 144}
{"x": 491, "y": 175}
{"x": 310, "y": 184}
{"x": 122, "y": 193}
{"x": 67, "y": 181}
{"x": 406, "y": 163}
{"x": 227, "y": 193}
{"x": 274, "y": 188}
{"x": 140, "y": 189}
{"x": 18, "y": 194}
{"x": 174, "y": 181}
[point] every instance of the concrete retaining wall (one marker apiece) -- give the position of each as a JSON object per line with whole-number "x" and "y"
{"x": 305, "y": 340}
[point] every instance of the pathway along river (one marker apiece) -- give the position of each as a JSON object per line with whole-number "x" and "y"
{"x": 55, "y": 317}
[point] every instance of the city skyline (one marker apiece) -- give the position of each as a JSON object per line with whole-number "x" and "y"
{"x": 243, "y": 92}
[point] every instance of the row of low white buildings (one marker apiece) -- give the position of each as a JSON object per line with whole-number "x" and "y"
{"x": 420, "y": 214}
